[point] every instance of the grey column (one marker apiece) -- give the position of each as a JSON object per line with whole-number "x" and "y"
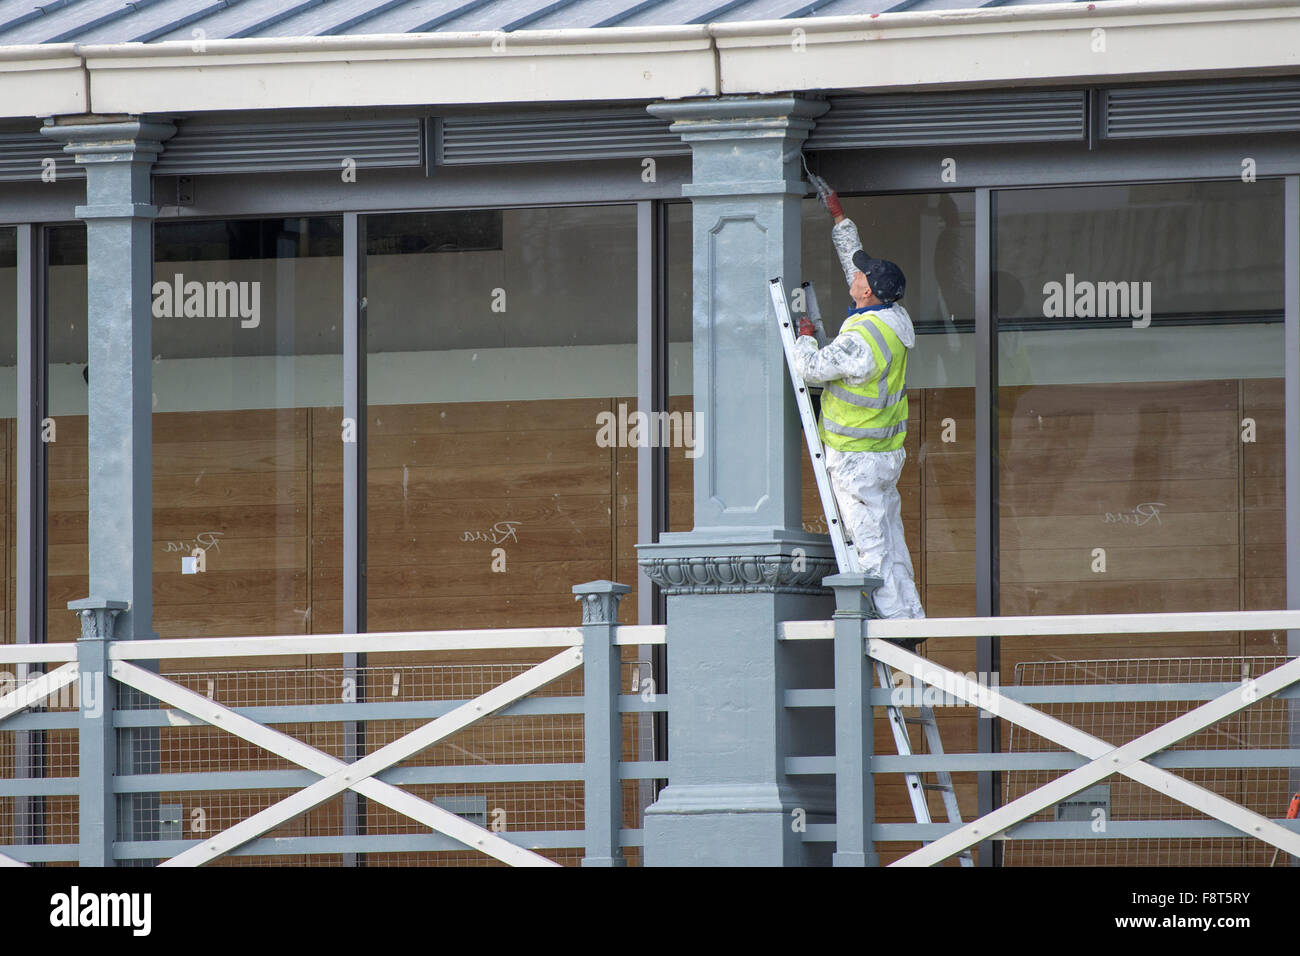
{"x": 602, "y": 725}
{"x": 747, "y": 565}
{"x": 117, "y": 156}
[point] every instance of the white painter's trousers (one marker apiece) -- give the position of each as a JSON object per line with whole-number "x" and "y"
{"x": 866, "y": 487}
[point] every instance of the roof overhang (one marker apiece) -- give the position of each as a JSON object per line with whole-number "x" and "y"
{"x": 1038, "y": 45}
{"x": 45, "y": 80}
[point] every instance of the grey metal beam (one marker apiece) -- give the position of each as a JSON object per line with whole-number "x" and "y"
{"x": 1108, "y": 693}
{"x": 458, "y": 187}
{"x": 29, "y": 501}
{"x": 388, "y": 843}
{"x": 1291, "y": 404}
{"x": 650, "y": 393}
{"x": 298, "y": 779}
{"x": 380, "y": 710}
{"x": 354, "y": 500}
{"x": 1062, "y": 760}
{"x": 649, "y": 459}
{"x": 652, "y": 461}
{"x": 987, "y": 661}
{"x": 1057, "y": 164}
{"x": 1115, "y": 830}
{"x": 22, "y": 202}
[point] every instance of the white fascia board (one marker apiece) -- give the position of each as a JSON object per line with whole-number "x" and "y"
{"x": 42, "y": 80}
{"x": 402, "y": 70}
{"x": 1028, "y": 45}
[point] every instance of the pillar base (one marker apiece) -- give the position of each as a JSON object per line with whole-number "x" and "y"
{"x": 734, "y": 825}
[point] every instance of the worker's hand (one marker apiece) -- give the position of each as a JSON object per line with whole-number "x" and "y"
{"x": 806, "y": 327}
{"x": 828, "y": 197}
{"x": 832, "y": 203}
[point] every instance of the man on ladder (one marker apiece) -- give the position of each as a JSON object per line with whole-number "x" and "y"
{"x": 864, "y": 411}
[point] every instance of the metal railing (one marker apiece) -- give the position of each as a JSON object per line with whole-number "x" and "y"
{"x": 1083, "y": 760}
{"x": 514, "y": 745}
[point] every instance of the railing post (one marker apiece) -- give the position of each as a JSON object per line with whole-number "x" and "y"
{"x": 97, "y": 740}
{"x": 602, "y": 723}
{"x": 855, "y": 803}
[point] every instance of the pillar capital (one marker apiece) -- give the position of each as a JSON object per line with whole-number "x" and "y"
{"x": 109, "y": 139}
{"x": 752, "y": 115}
{"x": 118, "y": 154}
{"x": 743, "y": 145}
{"x": 600, "y": 600}
{"x": 853, "y": 594}
{"x": 98, "y": 617}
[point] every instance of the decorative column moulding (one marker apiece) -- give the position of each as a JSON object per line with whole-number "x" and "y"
{"x": 600, "y": 600}
{"x": 740, "y": 573}
{"x": 98, "y": 617}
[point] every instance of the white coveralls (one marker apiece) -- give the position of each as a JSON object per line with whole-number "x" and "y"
{"x": 866, "y": 482}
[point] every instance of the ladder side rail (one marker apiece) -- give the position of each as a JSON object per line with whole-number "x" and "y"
{"x": 844, "y": 556}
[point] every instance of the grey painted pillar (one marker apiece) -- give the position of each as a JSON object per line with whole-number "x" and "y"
{"x": 747, "y": 565}
{"x": 117, "y": 155}
{"x": 855, "y": 798}
{"x": 602, "y": 725}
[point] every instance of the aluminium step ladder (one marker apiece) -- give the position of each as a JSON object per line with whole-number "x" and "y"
{"x": 847, "y": 558}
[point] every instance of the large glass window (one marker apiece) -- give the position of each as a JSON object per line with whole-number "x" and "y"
{"x": 931, "y": 238}
{"x": 247, "y": 381}
{"x": 501, "y": 350}
{"x": 67, "y": 538}
{"x": 1141, "y": 365}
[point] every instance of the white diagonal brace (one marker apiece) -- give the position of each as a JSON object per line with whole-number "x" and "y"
{"x": 35, "y": 691}
{"x": 28, "y": 695}
{"x": 1106, "y": 758}
{"x": 358, "y": 778}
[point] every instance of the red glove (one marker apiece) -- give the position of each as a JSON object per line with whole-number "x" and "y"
{"x": 806, "y": 327}
{"x": 832, "y": 201}
{"x": 828, "y": 196}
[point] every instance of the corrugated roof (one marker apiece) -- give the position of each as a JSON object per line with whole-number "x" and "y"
{"x": 116, "y": 21}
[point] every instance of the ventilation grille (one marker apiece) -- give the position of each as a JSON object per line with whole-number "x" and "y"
{"x": 1263, "y": 107}
{"x": 206, "y": 150}
{"x": 22, "y": 155}
{"x": 625, "y": 133}
{"x": 864, "y": 122}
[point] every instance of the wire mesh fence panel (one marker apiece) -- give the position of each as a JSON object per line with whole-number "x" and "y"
{"x": 48, "y": 820}
{"x": 1264, "y": 725}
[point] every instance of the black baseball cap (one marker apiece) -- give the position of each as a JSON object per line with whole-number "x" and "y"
{"x": 885, "y": 278}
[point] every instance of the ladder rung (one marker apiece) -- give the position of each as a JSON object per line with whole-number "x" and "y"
{"x": 923, "y": 721}
{"x": 943, "y": 787}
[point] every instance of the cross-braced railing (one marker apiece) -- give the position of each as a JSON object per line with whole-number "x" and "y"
{"x": 234, "y": 761}
{"x": 1146, "y": 759}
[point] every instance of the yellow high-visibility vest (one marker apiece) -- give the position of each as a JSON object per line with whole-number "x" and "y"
{"x": 871, "y": 416}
